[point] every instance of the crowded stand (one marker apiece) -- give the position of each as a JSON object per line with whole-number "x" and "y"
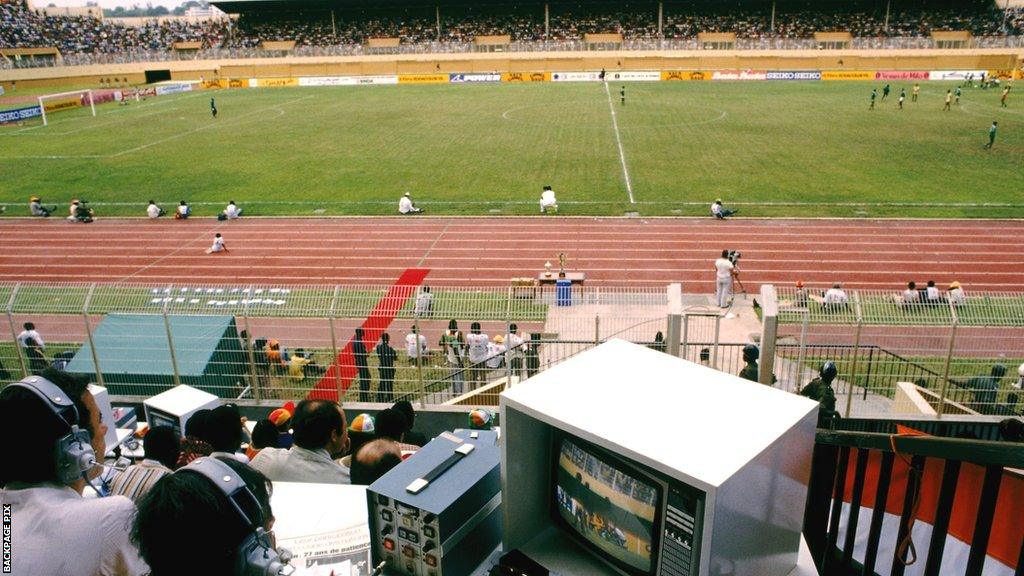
{"x": 22, "y": 27}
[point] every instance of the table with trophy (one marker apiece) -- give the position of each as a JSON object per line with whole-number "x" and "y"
{"x": 549, "y": 277}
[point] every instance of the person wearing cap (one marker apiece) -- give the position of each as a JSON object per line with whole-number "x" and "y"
{"x": 800, "y": 298}
{"x": 320, "y": 437}
{"x": 282, "y": 419}
{"x": 496, "y": 353}
{"x": 481, "y": 419}
{"x": 78, "y": 212}
{"x": 985, "y": 389}
{"x": 548, "y": 200}
{"x": 751, "y": 370}
{"x": 956, "y": 294}
{"x": 362, "y": 430}
{"x": 406, "y": 205}
{"x": 721, "y": 212}
{"x": 36, "y": 208}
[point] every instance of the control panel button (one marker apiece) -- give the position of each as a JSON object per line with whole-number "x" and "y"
{"x": 387, "y": 515}
{"x": 431, "y": 560}
{"x": 408, "y": 551}
{"x": 385, "y": 530}
{"x": 383, "y": 500}
{"x": 406, "y": 521}
{"x": 428, "y": 518}
{"x": 429, "y": 531}
{"x": 389, "y": 544}
{"x": 428, "y": 546}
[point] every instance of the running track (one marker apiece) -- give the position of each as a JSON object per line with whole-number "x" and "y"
{"x": 983, "y": 255}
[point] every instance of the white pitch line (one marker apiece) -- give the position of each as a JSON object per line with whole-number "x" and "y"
{"x": 618, "y": 140}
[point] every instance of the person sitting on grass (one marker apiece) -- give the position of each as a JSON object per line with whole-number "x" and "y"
{"x": 154, "y": 211}
{"x": 932, "y": 294}
{"x": 183, "y": 211}
{"x": 835, "y": 298}
{"x": 910, "y": 296}
{"x": 297, "y": 364}
{"x": 721, "y": 212}
{"x": 232, "y": 212}
{"x": 36, "y": 208}
{"x": 956, "y": 294}
{"x": 79, "y": 212}
{"x": 406, "y": 205}
{"x": 548, "y": 200}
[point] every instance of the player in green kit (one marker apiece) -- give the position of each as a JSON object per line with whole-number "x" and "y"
{"x": 956, "y": 94}
{"x": 622, "y": 94}
{"x": 991, "y": 135}
{"x": 903, "y": 96}
{"x": 213, "y": 108}
{"x": 874, "y": 94}
{"x": 885, "y": 92}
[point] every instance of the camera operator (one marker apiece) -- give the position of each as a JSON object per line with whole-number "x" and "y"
{"x": 725, "y": 268}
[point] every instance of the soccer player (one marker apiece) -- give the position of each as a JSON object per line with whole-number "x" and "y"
{"x": 957, "y": 93}
{"x": 991, "y": 135}
{"x": 885, "y": 92}
{"x": 1002, "y": 99}
{"x": 622, "y": 94}
{"x": 915, "y": 92}
{"x": 874, "y": 94}
{"x": 213, "y": 108}
{"x": 903, "y": 96}
{"x": 949, "y": 98}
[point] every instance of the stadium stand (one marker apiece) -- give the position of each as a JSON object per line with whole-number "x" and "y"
{"x": 86, "y": 40}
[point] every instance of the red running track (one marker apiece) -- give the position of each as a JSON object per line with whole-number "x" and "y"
{"x": 983, "y": 255}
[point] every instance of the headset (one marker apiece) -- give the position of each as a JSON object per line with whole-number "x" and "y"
{"x": 73, "y": 452}
{"x": 257, "y": 556}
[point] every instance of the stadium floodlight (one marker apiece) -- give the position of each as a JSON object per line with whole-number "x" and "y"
{"x": 67, "y": 95}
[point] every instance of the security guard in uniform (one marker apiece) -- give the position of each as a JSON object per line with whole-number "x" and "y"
{"x": 820, "y": 389}
{"x": 750, "y": 355}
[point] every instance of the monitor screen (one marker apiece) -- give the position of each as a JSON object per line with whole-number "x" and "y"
{"x": 606, "y": 504}
{"x": 159, "y": 418}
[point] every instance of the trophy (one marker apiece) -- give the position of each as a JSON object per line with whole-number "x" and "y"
{"x": 547, "y": 269}
{"x": 561, "y": 262}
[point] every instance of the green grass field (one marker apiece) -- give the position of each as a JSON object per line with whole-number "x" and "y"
{"x": 773, "y": 148}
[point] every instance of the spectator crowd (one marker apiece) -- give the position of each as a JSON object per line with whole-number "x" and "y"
{"x": 21, "y": 27}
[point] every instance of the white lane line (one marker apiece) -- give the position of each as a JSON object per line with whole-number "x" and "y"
{"x": 434, "y": 243}
{"x": 618, "y": 140}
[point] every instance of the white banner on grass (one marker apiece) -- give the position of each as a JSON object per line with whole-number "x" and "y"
{"x": 575, "y": 76}
{"x": 633, "y": 76}
{"x": 954, "y": 74}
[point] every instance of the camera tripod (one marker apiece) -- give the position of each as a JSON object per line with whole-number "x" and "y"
{"x": 743, "y": 289}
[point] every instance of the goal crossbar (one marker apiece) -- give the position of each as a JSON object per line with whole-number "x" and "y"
{"x": 42, "y": 107}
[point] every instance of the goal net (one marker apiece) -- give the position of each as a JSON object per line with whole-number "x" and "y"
{"x": 53, "y": 103}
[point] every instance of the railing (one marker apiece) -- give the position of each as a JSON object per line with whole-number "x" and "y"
{"x": 647, "y": 44}
{"x": 899, "y": 487}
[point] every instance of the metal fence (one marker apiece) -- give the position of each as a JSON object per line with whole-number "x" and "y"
{"x": 867, "y": 43}
{"x": 284, "y": 342}
{"x": 956, "y": 359}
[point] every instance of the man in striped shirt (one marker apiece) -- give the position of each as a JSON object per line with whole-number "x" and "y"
{"x": 161, "y": 446}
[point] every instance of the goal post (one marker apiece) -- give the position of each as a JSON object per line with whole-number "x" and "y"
{"x": 82, "y": 94}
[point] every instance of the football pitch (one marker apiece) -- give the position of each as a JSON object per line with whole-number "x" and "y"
{"x": 801, "y": 149}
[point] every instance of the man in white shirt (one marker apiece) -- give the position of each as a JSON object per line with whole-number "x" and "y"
{"x": 548, "y": 200}
{"x": 515, "y": 350}
{"x": 183, "y": 211}
{"x": 721, "y": 212}
{"x": 424, "y": 302}
{"x": 406, "y": 206}
{"x": 476, "y": 344}
{"x": 932, "y": 294}
{"x": 218, "y": 245}
{"x": 835, "y": 298}
{"x": 911, "y": 295}
{"x": 233, "y": 212}
{"x": 319, "y": 436}
{"x": 495, "y": 353}
{"x": 30, "y": 332}
{"x": 53, "y": 530}
{"x": 723, "y": 279}
{"x": 415, "y": 345}
{"x": 956, "y": 294}
{"x": 154, "y": 211}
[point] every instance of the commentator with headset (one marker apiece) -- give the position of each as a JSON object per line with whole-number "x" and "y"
{"x": 52, "y": 434}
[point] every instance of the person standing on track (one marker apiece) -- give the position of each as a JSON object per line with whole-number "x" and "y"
{"x": 213, "y": 107}
{"x": 723, "y": 279}
{"x": 992, "y": 135}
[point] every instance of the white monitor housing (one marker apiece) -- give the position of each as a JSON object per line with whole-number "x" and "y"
{"x": 102, "y": 398}
{"x": 175, "y": 406}
{"x": 744, "y": 449}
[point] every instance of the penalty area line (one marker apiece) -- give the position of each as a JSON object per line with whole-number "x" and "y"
{"x": 618, "y": 141}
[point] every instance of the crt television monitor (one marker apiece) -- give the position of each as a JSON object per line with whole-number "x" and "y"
{"x": 612, "y": 508}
